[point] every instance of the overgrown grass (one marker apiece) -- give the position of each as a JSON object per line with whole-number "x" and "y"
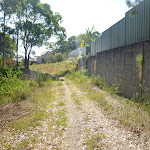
{"x": 55, "y": 68}
{"x": 36, "y": 111}
{"x": 101, "y": 83}
{"x": 41, "y": 78}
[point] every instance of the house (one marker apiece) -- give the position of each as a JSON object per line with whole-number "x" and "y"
{"x": 43, "y": 58}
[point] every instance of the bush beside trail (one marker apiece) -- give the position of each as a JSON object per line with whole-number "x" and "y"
{"x": 13, "y": 87}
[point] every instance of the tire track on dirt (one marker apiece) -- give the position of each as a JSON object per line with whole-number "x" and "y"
{"x": 88, "y": 128}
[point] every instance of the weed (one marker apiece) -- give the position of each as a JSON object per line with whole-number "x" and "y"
{"x": 87, "y": 118}
{"x": 23, "y": 124}
{"x": 87, "y": 131}
{"x": 60, "y": 103}
{"x": 139, "y": 60}
{"x": 101, "y": 83}
{"x": 59, "y": 83}
{"x": 95, "y": 141}
{"x": 41, "y": 78}
{"x": 62, "y": 118}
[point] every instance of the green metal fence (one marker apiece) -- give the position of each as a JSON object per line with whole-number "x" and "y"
{"x": 134, "y": 27}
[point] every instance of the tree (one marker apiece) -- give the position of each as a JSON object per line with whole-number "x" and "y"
{"x": 133, "y": 3}
{"x": 60, "y": 46}
{"x": 63, "y": 46}
{"x": 7, "y": 7}
{"x": 10, "y": 45}
{"x": 38, "y": 24}
{"x": 72, "y": 43}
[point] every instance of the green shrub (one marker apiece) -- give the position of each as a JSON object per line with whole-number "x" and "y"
{"x": 57, "y": 57}
{"x": 12, "y": 85}
{"x": 98, "y": 81}
{"x": 47, "y": 62}
{"x": 53, "y": 58}
{"x": 41, "y": 78}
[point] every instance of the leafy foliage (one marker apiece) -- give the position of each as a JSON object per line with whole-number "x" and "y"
{"x": 63, "y": 46}
{"x": 41, "y": 78}
{"x": 34, "y": 21}
{"x": 10, "y": 45}
{"x": 87, "y": 38}
{"x": 131, "y": 3}
{"x": 12, "y": 86}
{"x": 57, "y": 57}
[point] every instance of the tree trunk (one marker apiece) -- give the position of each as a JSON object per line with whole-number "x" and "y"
{"x": 0, "y": 43}
{"x": 4, "y": 41}
{"x": 28, "y": 61}
{"x": 25, "y": 61}
{"x": 17, "y": 46}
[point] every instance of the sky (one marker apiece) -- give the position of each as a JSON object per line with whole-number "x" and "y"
{"x": 78, "y": 15}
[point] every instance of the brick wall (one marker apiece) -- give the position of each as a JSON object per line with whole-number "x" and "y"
{"x": 91, "y": 64}
{"x": 120, "y": 65}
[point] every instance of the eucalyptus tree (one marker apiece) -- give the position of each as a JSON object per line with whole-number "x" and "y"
{"x": 38, "y": 23}
{"x": 7, "y": 8}
{"x": 72, "y": 43}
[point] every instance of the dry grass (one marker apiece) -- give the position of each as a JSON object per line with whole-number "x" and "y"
{"x": 55, "y": 68}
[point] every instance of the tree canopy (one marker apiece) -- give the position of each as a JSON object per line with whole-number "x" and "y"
{"x": 34, "y": 22}
{"x": 63, "y": 45}
{"x": 133, "y": 3}
{"x": 73, "y": 42}
{"x": 10, "y": 45}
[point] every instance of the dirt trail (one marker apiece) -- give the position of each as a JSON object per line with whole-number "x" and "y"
{"x": 71, "y": 122}
{"x": 88, "y": 128}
